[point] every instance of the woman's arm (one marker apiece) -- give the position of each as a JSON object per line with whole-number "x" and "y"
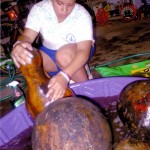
{"x": 59, "y": 83}
{"x": 28, "y": 35}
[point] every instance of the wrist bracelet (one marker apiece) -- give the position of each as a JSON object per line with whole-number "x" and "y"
{"x": 65, "y": 75}
{"x": 16, "y": 43}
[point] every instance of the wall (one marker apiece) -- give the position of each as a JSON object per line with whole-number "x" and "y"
{"x": 137, "y": 3}
{"x": 112, "y": 1}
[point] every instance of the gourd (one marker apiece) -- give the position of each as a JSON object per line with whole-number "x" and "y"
{"x": 71, "y": 123}
{"x": 128, "y": 144}
{"x": 37, "y": 83}
{"x": 134, "y": 111}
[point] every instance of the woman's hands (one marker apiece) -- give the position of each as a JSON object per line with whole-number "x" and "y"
{"x": 21, "y": 54}
{"x": 57, "y": 87}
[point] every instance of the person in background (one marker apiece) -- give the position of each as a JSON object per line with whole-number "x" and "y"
{"x": 112, "y": 9}
{"x": 117, "y": 7}
{"x": 67, "y": 42}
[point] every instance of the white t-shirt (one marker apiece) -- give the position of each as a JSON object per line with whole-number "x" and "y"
{"x": 75, "y": 28}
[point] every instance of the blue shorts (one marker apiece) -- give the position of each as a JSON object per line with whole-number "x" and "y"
{"x": 52, "y": 53}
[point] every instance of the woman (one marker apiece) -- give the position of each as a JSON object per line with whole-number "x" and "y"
{"x": 66, "y": 29}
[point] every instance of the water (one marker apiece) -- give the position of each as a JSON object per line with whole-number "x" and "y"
{"x": 108, "y": 105}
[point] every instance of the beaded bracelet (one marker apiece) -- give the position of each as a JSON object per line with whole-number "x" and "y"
{"x": 65, "y": 75}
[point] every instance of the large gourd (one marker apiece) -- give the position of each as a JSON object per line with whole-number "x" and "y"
{"x": 37, "y": 83}
{"x": 71, "y": 123}
{"x": 134, "y": 111}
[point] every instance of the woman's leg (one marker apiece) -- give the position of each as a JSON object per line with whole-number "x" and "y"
{"x": 64, "y": 57}
{"x": 48, "y": 64}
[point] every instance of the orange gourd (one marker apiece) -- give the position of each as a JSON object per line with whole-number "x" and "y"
{"x": 37, "y": 83}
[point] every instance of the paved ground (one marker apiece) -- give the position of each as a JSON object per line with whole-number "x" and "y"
{"x": 117, "y": 40}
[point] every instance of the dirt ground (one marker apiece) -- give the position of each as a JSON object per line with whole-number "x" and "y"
{"x": 117, "y": 40}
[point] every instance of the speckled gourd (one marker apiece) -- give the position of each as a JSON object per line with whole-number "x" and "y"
{"x": 71, "y": 123}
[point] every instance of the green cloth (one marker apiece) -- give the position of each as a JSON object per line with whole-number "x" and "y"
{"x": 134, "y": 69}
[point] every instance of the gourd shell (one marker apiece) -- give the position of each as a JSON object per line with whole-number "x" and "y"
{"x": 71, "y": 124}
{"x": 134, "y": 109}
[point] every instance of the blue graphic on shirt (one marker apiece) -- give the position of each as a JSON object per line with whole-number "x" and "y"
{"x": 70, "y": 38}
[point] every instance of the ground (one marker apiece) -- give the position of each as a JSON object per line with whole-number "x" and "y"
{"x": 117, "y": 40}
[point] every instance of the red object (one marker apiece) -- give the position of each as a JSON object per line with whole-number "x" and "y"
{"x": 102, "y": 16}
{"x": 12, "y": 14}
{"x": 128, "y": 12}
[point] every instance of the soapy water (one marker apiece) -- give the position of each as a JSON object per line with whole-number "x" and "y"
{"x": 108, "y": 105}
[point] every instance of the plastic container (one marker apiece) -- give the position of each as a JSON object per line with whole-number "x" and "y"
{"x": 16, "y": 126}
